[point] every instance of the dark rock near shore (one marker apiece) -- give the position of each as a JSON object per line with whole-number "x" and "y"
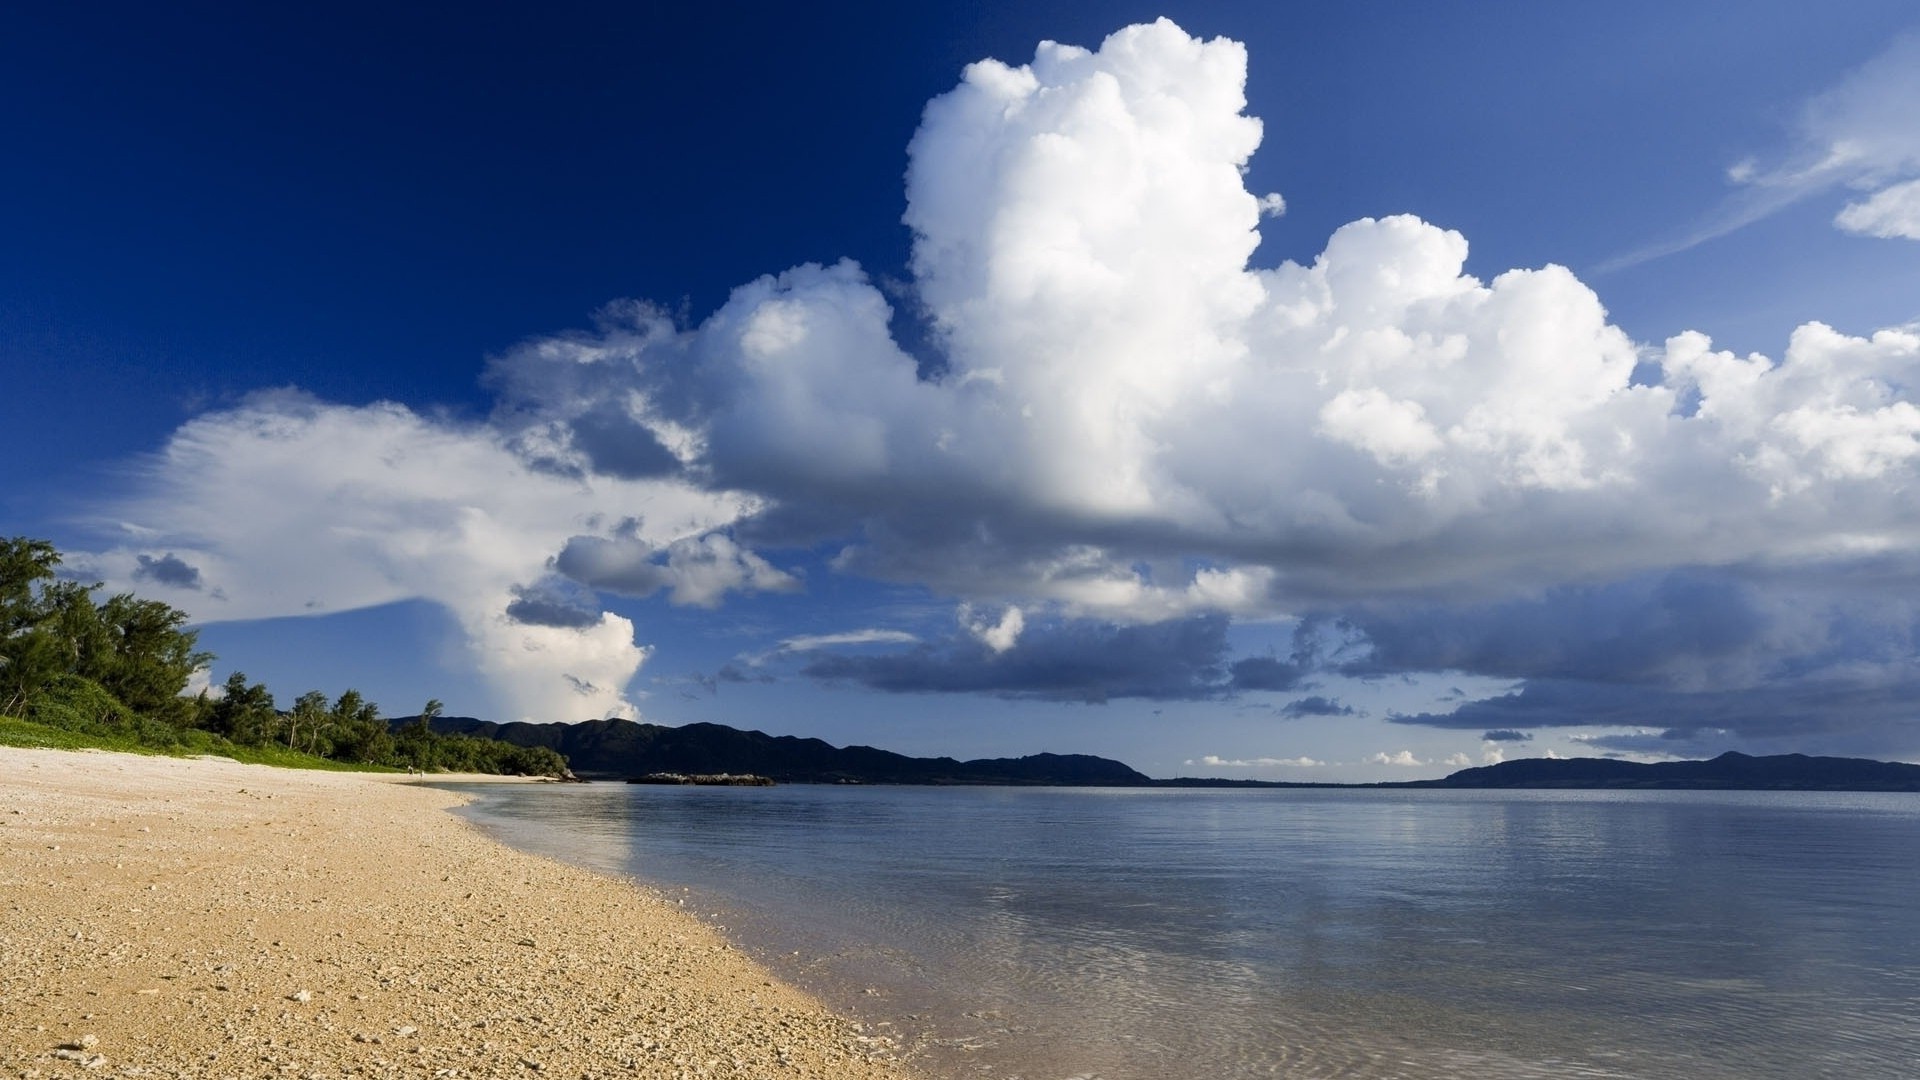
{"x": 703, "y": 779}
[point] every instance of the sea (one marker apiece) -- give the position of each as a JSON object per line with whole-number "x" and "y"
{"x": 1150, "y": 934}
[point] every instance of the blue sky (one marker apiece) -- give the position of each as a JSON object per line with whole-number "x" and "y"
{"x": 1169, "y": 399}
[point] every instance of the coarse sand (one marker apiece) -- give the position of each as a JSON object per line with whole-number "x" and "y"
{"x": 163, "y": 917}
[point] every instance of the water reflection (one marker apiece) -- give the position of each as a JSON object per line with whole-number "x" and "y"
{"x": 1123, "y": 934}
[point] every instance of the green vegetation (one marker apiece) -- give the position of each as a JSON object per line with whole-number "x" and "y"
{"x": 113, "y": 674}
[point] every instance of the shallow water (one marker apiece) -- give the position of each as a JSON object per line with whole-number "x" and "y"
{"x": 1047, "y": 934}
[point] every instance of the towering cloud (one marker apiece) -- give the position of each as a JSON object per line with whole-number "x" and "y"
{"x": 292, "y": 506}
{"x": 1126, "y": 422}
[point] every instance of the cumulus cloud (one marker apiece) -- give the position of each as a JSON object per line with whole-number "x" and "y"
{"x": 1321, "y": 644}
{"x": 1086, "y": 444}
{"x": 1891, "y": 212}
{"x": 694, "y": 570}
{"x": 1134, "y": 435}
{"x": 351, "y": 507}
{"x": 998, "y": 636}
{"x": 1860, "y": 711}
{"x": 1078, "y": 661}
{"x": 168, "y": 569}
{"x": 1398, "y": 759}
{"x": 1825, "y": 652}
{"x": 1316, "y": 705}
{"x": 554, "y": 601}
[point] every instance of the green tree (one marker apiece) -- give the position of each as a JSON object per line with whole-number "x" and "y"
{"x": 306, "y": 724}
{"x": 147, "y": 658}
{"x": 359, "y": 733}
{"x": 24, "y": 565}
{"x": 31, "y": 652}
{"x": 71, "y": 635}
{"x": 136, "y": 650}
{"x": 417, "y": 745}
{"x": 244, "y": 713}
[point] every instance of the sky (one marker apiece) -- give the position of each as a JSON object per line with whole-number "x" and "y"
{"x": 1297, "y": 391}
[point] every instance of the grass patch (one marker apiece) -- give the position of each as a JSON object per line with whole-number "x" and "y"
{"x": 284, "y": 758}
{"x": 25, "y": 733}
{"x": 16, "y": 732}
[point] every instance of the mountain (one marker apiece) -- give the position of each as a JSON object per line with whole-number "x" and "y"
{"x": 617, "y": 749}
{"x": 1730, "y": 771}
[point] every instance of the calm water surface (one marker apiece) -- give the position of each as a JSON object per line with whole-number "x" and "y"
{"x": 1046, "y": 934}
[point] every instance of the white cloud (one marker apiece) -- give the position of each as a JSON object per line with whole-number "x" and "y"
{"x": 1400, "y": 759}
{"x": 1214, "y": 761}
{"x": 1133, "y": 422}
{"x": 697, "y": 571}
{"x": 1457, "y": 761}
{"x": 1136, "y": 424}
{"x": 1836, "y": 409}
{"x": 810, "y": 642}
{"x": 1888, "y": 213}
{"x": 998, "y": 636}
{"x": 1394, "y": 432}
{"x": 1859, "y": 133}
{"x": 289, "y": 506}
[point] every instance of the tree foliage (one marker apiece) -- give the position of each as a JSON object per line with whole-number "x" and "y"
{"x": 121, "y": 667}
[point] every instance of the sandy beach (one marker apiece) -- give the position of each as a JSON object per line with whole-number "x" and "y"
{"x": 202, "y": 918}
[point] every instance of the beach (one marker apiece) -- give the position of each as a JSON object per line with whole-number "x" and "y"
{"x": 203, "y": 918}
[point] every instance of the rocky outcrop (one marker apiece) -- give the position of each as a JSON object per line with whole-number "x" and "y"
{"x": 703, "y": 779}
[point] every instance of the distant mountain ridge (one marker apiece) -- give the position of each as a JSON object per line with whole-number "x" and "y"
{"x": 1731, "y": 771}
{"x": 617, "y": 749}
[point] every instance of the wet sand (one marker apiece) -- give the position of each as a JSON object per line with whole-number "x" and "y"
{"x": 201, "y": 918}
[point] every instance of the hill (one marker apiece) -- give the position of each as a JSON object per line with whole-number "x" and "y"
{"x": 1730, "y": 771}
{"x": 617, "y": 749}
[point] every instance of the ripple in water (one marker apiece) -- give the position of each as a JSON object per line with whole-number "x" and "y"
{"x": 1137, "y": 935}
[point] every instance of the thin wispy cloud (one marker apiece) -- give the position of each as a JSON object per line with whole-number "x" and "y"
{"x": 811, "y": 642}
{"x": 1858, "y": 135}
{"x": 1214, "y": 761}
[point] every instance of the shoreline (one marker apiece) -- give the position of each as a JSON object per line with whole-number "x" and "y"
{"x": 204, "y": 918}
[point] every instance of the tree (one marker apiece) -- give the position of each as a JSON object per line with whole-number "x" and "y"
{"x": 359, "y": 733}
{"x": 136, "y": 650}
{"x": 31, "y": 653}
{"x": 148, "y": 658}
{"x": 417, "y": 745}
{"x": 244, "y": 713}
{"x": 24, "y": 564}
{"x": 309, "y": 716}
